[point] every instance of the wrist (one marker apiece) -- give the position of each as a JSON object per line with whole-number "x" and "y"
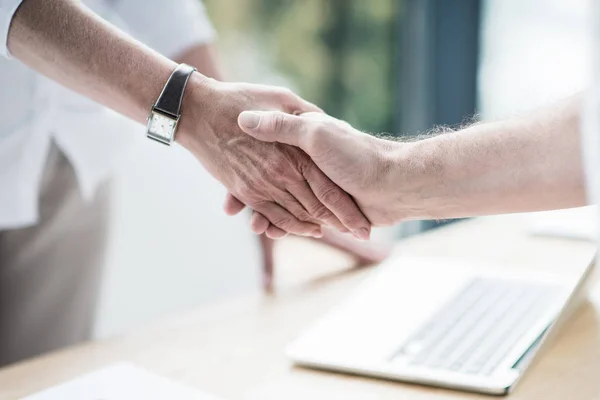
{"x": 392, "y": 170}
{"x": 196, "y": 108}
{"x": 410, "y": 180}
{"x": 427, "y": 180}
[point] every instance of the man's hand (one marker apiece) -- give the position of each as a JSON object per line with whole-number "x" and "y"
{"x": 527, "y": 163}
{"x": 276, "y": 180}
{"x": 356, "y": 162}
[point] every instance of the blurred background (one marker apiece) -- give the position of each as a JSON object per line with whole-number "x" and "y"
{"x": 386, "y": 66}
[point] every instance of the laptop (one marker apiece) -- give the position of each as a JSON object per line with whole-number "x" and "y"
{"x": 445, "y": 322}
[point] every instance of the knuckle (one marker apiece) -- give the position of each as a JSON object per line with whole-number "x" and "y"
{"x": 316, "y": 128}
{"x": 279, "y": 170}
{"x": 256, "y": 200}
{"x": 260, "y": 206}
{"x": 314, "y": 132}
{"x": 322, "y": 128}
{"x": 289, "y": 203}
{"x": 282, "y": 222}
{"x": 304, "y": 165}
{"x": 321, "y": 213}
{"x": 277, "y": 122}
{"x": 309, "y": 171}
{"x": 331, "y": 195}
{"x": 302, "y": 215}
{"x": 244, "y": 192}
{"x": 352, "y": 219}
{"x": 275, "y": 172}
{"x": 264, "y": 174}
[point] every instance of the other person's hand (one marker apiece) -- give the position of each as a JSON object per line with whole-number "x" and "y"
{"x": 276, "y": 180}
{"x": 363, "y": 165}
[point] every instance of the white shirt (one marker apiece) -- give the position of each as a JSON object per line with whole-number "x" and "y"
{"x": 35, "y": 110}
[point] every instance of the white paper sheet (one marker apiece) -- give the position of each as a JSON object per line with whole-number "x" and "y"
{"x": 121, "y": 382}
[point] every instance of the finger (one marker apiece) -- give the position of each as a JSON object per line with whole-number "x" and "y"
{"x": 285, "y": 221}
{"x": 338, "y": 202}
{"x": 298, "y": 106}
{"x": 289, "y": 202}
{"x": 232, "y": 205}
{"x": 304, "y": 194}
{"x": 258, "y": 223}
{"x": 291, "y": 103}
{"x": 275, "y": 126}
{"x": 274, "y": 232}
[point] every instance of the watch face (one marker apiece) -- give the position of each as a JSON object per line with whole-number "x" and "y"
{"x": 162, "y": 127}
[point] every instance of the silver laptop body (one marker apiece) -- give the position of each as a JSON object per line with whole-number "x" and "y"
{"x": 444, "y": 322}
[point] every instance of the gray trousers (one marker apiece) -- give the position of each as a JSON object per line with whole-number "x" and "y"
{"x": 50, "y": 273}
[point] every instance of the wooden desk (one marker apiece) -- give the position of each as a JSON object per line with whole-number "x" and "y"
{"x": 235, "y": 349}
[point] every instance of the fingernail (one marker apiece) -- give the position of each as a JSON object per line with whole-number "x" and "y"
{"x": 249, "y": 119}
{"x": 363, "y": 234}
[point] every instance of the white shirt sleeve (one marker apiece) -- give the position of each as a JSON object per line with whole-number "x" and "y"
{"x": 7, "y": 10}
{"x": 168, "y": 26}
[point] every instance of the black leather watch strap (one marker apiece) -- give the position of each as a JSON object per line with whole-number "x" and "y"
{"x": 170, "y": 99}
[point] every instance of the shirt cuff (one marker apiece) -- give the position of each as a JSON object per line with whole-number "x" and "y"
{"x": 7, "y": 11}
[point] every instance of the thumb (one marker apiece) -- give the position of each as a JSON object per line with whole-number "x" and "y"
{"x": 274, "y": 126}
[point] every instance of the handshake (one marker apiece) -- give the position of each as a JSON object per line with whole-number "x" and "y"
{"x": 295, "y": 167}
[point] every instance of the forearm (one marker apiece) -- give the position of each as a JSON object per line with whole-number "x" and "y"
{"x": 525, "y": 164}
{"x": 71, "y": 45}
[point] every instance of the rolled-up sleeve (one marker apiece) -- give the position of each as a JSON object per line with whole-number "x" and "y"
{"x": 168, "y": 26}
{"x": 7, "y": 11}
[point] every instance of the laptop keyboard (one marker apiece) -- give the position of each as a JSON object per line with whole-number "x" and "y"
{"x": 476, "y": 329}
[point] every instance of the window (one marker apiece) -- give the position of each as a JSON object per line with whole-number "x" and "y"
{"x": 339, "y": 54}
{"x": 393, "y": 66}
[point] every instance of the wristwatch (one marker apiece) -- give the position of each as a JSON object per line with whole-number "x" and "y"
{"x": 162, "y": 121}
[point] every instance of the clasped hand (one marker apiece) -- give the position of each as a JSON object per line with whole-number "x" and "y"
{"x": 281, "y": 183}
{"x": 366, "y": 167}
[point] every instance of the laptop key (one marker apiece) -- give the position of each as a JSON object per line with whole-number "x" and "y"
{"x": 476, "y": 329}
